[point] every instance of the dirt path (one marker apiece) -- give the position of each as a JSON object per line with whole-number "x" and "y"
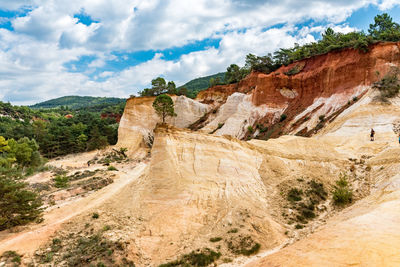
{"x": 29, "y": 240}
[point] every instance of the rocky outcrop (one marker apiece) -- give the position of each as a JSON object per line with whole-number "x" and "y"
{"x": 265, "y": 106}
{"x": 208, "y": 185}
{"x": 139, "y": 119}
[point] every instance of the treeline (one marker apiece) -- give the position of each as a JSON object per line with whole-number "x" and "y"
{"x": 60, "y": 131}
{"x": 384, "y": 29}
{"x": 160, "y": 86}
{"x": 77, "y": 102}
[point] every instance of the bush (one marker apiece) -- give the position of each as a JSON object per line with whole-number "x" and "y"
{"x": 18, "y": 206}
{"x": 203, "y": 257}
{"x": 112, "y": 168}
{"x": 95, "y": 215}
{"x": 294, "y": 195}
{"x": 321, "y": 117}
{"x": 61, "y": 181}
{"x": 215, "y": 239}
{"x": 12, "y": 256}
{"x": 296, "y": 69}
{"x": 389, "y": 86}
{"x": 250, "y": 129}
{"x": 342, "y": 194}
{"x": 283, "y": 117}
{"x": 243, "y": 245}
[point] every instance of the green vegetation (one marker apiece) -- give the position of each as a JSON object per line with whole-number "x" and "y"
{"x": 342, "y": 193}
{"x": 233, "y": 231}
{"x": 61, "y": 181}
{"x": 95, "y": 215}
{"x": 200, "y": 257}
{"x": 215, "y": 239}
{"x": 296, "y": 69}
{"x": 160, "y": 86}
{"x": 11, "y": 257}
{"x": 389, "y": 86}
{"x": 78, "y": 102}
{"x": 202, "y": 83}
{"x": 383, "y": 29}
{"x": 58, "y": 132}
{"x": 303, "y": 202}
{"x": 112, "y": 168}
{"x": 294, "y": 195}
{"x": 18, "y": 205}
{"x": 164, "y": 106}
{"x": 243, "y": 245}
{"x": 283, "y": 117}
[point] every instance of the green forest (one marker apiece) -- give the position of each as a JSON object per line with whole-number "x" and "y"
{"x": 76, "y": 102}
{"x": 62, "y": 130}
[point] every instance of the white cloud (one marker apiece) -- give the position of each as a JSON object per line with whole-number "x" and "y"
{"x": 388, "y": 4}
{"x": 33, "y": 56}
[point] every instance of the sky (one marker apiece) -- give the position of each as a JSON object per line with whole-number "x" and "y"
{"x": 53, "y": 48}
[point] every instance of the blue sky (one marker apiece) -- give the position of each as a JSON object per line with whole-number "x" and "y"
{"x": 54, "y": 48}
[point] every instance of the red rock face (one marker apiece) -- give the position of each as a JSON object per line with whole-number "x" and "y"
{"x": 321, "y": 76}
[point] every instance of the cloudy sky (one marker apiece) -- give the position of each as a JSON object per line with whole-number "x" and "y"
{"x": 52, "y": 48}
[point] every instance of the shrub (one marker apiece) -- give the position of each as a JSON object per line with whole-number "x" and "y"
{"x": 250, "y": 129}
{"x": 342, "y": 194}
{"x": 18, "y": 206}
{"x": 296, "y": 69}
{"x": 299, "y": 226}
{"x": 203, "y": 257}
{"x": 321, "y": 117}
{"x": 294, "y": 195}
{"x": 220, "y": 125}
{"x": 233, "y": 231}
{"x": 13, "y": 256}
{"x": 243, "y": 245}
{"x": 215, "y": 239}
{"x": 61, "y": 181}
{"x": 283, "y": 117}
{"x": 95, "y": 215}
{"x": 389, "y": 86}
{"x": 112, "y": 168}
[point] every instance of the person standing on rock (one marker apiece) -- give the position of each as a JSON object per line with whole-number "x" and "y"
{"x": 372, "y": 134}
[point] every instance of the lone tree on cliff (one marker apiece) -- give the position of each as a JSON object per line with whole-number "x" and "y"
{"x": 164, "y": 106}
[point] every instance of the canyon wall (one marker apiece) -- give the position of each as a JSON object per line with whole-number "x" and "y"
{"x": 270, "y": 105}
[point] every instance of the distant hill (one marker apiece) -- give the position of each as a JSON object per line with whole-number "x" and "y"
{"x": 202, "y": 83}
{"x": 76, "y": 102}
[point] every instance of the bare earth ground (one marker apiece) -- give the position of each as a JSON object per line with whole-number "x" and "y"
{"x": 33, "y": 236}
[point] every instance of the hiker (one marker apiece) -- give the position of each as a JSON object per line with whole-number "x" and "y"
{"x": 372, "y": 134}
{"x": 399, "y": 138}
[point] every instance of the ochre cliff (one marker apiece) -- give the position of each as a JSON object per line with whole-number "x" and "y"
{"x": 269, "y": 105}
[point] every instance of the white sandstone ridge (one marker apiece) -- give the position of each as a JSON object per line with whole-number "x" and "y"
{"x": 139, "y": 119}
{"x": 200, "y": 186}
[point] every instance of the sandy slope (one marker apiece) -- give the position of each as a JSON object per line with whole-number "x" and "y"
{"x": 367, "y": 233}
{"x": 30, "y": 239}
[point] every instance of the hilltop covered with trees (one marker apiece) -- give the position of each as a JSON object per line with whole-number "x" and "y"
{"x": 77, "y": 102}
{"x": 61, "y": 131}
{"x": 384, "y": 29}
